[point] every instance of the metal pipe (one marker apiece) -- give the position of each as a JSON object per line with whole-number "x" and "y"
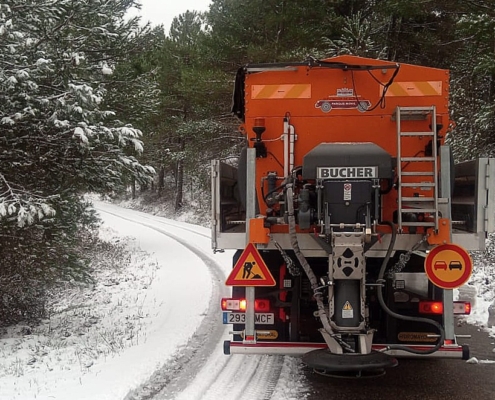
{"x": 301, "y": 348}
{"x": 250, "y": 333}
{"x": 292, "y": 138}
{"x": 285, "y": 138}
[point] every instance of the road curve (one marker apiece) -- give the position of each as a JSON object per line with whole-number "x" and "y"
{"x": 200, "y": 370}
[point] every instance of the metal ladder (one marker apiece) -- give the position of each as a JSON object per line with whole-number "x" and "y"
{"x": 417, "y": 205}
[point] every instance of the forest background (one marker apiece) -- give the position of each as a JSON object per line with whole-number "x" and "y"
{"x": 85, "y": 88}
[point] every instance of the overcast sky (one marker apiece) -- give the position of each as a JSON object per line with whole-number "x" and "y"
{"x": 164, "y": 11}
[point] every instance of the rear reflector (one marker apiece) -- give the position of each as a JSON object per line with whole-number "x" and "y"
{"x": 233, "y": 305}
{"x": 436, "y": 307}
{"x": 462, "y": 307}
{"x": 260, "y": 305}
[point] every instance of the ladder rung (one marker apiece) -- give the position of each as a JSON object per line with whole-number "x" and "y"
{"x": 417, "y": 133}
{"x": 418, "y": 210}
{"x": 412, "y": 113}
{"x": 416, "y": 184}
{"x": 418, "y": 224}
{"x": 418, "y": 199}
{"x": 409, "y": 109}
{"x": 417, "y": 173}
{"x": 417, "y": 159}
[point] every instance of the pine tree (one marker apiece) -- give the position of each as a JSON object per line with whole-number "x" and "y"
{"x": 58, "y": 140}
{"x": 270, "y": 30}
{"x": 473, "y": 85}
{"x": 195, "y": 98}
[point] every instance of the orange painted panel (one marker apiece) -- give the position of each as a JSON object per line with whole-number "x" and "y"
{"x": 335, "y": 105}
{"x": 443, "y": 234}
{"x": 257, "y": 232}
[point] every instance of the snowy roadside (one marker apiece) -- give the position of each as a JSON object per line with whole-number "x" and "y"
{"x": 480, "y": 289}
{"x": 87, "y": 324}
{"x": 104, "y": 339}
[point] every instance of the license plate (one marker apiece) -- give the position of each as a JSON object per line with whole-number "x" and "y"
{"x": 240, "y": 318}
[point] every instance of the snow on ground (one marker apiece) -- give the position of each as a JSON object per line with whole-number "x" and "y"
{"x": 481, "y": 288}
{"x": 103, "y": 340}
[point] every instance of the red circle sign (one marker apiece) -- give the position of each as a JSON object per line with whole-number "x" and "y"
{"x": 448, "y": 266}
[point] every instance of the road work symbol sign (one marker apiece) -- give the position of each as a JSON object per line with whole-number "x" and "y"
{"x": 448, "y": 266}
{"x": 250, "y": 270}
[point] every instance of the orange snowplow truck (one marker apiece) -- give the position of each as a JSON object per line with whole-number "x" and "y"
{"x": 350, "y": 219}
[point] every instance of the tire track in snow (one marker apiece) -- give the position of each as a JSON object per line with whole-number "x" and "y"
{"x": 242, "y": 377}
{"x": 262, "y": 379}
{"x": 154, "y": 219}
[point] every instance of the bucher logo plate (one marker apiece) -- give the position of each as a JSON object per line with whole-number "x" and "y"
{"x": 347, "y": 172}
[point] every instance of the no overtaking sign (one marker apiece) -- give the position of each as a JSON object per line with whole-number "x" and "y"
{"x": 448, "y": 266}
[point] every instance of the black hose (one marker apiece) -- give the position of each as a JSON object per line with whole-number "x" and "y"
{"x": 389, "y": 187}
{"x": 393, "y": 314}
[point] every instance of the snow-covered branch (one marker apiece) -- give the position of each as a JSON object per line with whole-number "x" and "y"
{"x": 27, "y": 208}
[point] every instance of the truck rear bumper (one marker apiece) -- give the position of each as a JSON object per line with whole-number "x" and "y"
{"x": 298, "y": 349}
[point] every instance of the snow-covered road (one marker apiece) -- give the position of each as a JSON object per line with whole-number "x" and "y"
{"x": 199, "y": 369}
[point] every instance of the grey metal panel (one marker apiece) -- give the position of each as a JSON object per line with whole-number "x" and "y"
{"x": 474, "y": 195}
{"x": 416, "y": 282}
{"x": 402, "y": 242}
{"x": 445, "y": 190}
{"x": 231, "y": 240}
{"x": 445, "y": 181}
{"x": 215, "y": 202}
{"x": 470, "y": 241}
{"x": 347, "y": 211}
{"x": 347, "y": 155}
{"x": 480, "y": 195}
{"x": 224, "y": 199}
{"x": 250, "y": 185}
{"x": 250, "y": 213}
{"x": 489, "y": 186}
{"x": 310, "y": 248}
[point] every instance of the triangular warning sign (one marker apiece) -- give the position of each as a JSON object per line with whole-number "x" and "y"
{"x": 250, "y": 270}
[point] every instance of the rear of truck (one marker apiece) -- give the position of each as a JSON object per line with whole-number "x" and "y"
{"x": 350, "y": 220}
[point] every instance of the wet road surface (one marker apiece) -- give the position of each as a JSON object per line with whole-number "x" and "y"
{"x": 420, "y": 379}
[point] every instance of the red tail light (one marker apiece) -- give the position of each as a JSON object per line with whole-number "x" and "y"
{"x": 436, "y": 307}
{"x": 260, "y": 305}
{"x": 430, "y": 307}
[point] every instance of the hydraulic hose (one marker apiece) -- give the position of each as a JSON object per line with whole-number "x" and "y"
{"x": 393, "y": 314}
{"x": 304, "y": 263}
{"x": 265, "y": 196}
